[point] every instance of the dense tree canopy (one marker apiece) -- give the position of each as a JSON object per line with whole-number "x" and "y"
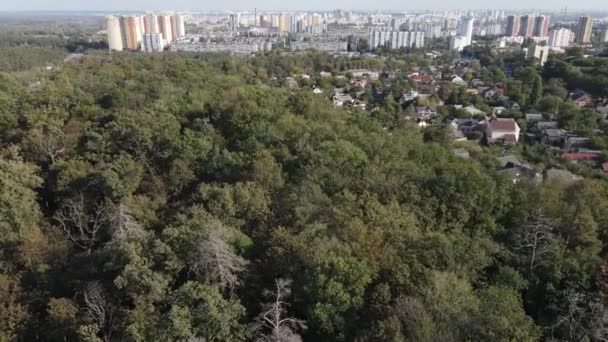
{"x": 175, "y": 197}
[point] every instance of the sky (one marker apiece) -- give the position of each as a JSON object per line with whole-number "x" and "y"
{"x": 209, "y": 5}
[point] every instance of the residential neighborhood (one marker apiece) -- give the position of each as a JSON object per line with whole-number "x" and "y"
{"x": 479, "y": 105}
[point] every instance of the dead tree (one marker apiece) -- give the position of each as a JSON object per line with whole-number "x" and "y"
{"x": 274, "y": 324}
{"x": 99, "y": 308}
{"x": 49, "y": 141}
{"x": 217, "y": 260}
{"x": 535, "y": 236}
{"x": 581, "y": 317}
{"x": 82, "y": 226}
{"x": 124, "y": 226}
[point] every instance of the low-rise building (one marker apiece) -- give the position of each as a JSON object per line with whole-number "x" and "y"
{"x": 340, "y": 99}
{"x": 502, "y": 130}
{"x": 581, "y": 98}
{"x": 575, "y": 142}
{"x": 531, "y": 118}
{"x": 554, "y": 136}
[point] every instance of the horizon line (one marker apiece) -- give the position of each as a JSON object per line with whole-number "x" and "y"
{"x": 554, "y": 9}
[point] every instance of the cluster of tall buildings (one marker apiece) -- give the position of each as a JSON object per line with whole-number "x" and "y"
{"x": 378, "y": 37}
{"x": 531, "y": 26}
{"x": 150, "y": 32}
{"x": 279, "y": 23}
{"x": 527, "y": 26}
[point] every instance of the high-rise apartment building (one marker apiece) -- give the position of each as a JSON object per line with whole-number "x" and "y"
{"x": 151, "y": 24}
{"x": 283, "y": 24}
{"x": 538, "y": 53}
{"x": 512, "y": 27}
{"x": 131, "y": 32}
{"x": 560, "y": 38}
{"x": 153, "y": 42}
{"x": 526, "y": 26}
{"x": 396, "y": 39}
{"x": 164, "y": 26}
{"x": 466, "y": 30}
{"x": 180, "y": 24}
{"x": 458, "y": 43}
{"x": 541, "y": 26}
{"x": 585, "y": 27}
{"x": 234, "y": 22}
{"x": 173, "y": 28}
{"x": 263, "y": 21}
{"x": 274, "y": 20}
{"x": 605, "y": 39}
{"x": 114, "y": 33}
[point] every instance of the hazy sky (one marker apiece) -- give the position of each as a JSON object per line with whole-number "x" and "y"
{"x": 116, "y": 5}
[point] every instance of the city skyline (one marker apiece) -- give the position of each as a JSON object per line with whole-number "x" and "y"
{"x": 389, "y": 5}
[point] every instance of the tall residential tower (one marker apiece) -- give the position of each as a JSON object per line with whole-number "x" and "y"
{"x": 583, "y": 33}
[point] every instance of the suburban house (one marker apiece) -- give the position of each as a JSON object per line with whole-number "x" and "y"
{"x": 340, "y": 100}
{"x": 517, "y": 173}
{"x": 458, "y": 81}
{"x": 543, "y": 125}
{"x": 358, "y": 82}
{"x": 512, "y": 168}
{"x": 534, "y": 117}
{"x": 493, "y": 92}
{"x": 510, "y": 104}
{"x": 291, "y": 82}
{"x": 573, "y": 142}
{"x": 580, "y": 156}
{"x": 554, "y": 136}
{"x": 364, "y": 72}
{"x": 581, "y": 98}
{"x": 425, "y": 113}
{"x": 502, "y": 130}
{"x": 408, "y": 96}
{"x": 465, "y": 126}
{"x": 426, "y": 90}
{"x": 354, "y": 103}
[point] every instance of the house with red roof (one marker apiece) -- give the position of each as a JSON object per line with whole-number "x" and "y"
{"x": 580, "y": 156}
{"x": 502, "y": 130}
{"x": 491, "y": 92}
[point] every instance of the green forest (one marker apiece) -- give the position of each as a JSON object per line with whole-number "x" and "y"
{"x": 191, "y": 197}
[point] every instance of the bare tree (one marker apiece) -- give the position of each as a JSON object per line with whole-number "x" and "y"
{"x": 83, "y": 227}
{"x": 273, "y": 322}
{"x": 217, "y": 260}
{"x": 49, "y": 140}
{"x": 581, "y": 317}
{"x": 537, "y": 232}
{"x": 98, "y": 307}
{"x": 124, "y": 226}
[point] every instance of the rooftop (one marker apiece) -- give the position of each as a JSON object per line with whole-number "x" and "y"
{"x": 503, "y": 125}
